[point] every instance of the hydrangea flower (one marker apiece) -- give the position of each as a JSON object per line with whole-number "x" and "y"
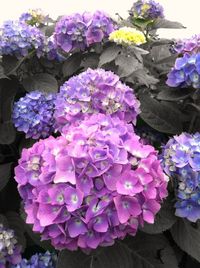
{"x": 10, "y": 250}
{"x": 18, "y": 39}
{"x": 186, "y": 72}
{"x": 94, "y": 91}
{"x": 147, "y": 10}
{"x": 51, "y": 50}
{"x": 94, "y": 184}
{"x": 188, "y": 45}
{"x": 33, "y": 114}
{"x": 127, "y": 36}
{"x": 34, "y": 17}
{"x": 79, "y": 31}
{"x": 40, "y": 260}
{"x": 181, "y": 161}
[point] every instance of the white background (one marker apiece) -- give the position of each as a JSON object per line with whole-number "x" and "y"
{"x": 185, "y": 11}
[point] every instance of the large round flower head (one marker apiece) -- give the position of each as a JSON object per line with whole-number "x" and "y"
{"x": 127, "y": 36}
{"x": 10, "y": 250}
{"x": 186, "y": 72}
{"x": 189, "y": 45}
{"x": 40, "y": 260}
{"x": 181, "y": 161}
{"x": 78, "y": 31}
{"x": 147, "y": 9}
{"x": 18, "y": 39}
{"x": 33, "y": 114}
{"x": 91, "y": 186}
{"x": 34, "y": 17}
{"x": 94, "y": 91}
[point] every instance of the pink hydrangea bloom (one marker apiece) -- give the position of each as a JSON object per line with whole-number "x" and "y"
{"x": 94, "y": 184}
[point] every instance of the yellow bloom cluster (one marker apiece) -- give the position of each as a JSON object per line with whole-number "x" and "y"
{"x": 38, "y": 16}
{"x": 127, "y": 36}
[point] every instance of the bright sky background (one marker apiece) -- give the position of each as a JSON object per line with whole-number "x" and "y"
{"x": 185, "y": 11}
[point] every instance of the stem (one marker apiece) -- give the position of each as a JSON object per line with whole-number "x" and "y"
{"x": 192, "y": 122}
{"x": 91, "y": 263}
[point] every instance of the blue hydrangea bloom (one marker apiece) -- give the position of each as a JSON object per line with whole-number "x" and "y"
{"x": 18, "y": 39}
{"x": 186, "y": 72}
{"x": 181, "y": 161}
{"x": 147, "y": 9}
{"x": 33, "y": 114}
{"x": 38, "y": 261}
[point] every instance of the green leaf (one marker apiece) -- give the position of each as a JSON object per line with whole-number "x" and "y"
{"x": 16, "y": 223}
{"x": 7, "y": 133}
{"x": 5, "y": 173}
{"x": 159, "y": 115}
{"x": 109, "y": 54}
{"x": 174, "y": 94}
{"x": 127, "y": 65}
{"x": 115, "y": 256}
{"x": 9, "y": 63}
{"x": 187, "y": 237}
{"x": 72, "y": 64}
{"x": 163, "y": 220}
{"x": 141, "y": 77}
{"x": 163, "y": 23}
{"x": 43, "y": 82}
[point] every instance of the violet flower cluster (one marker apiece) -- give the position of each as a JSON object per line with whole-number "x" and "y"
{"x": 19, "y": 39}
{"x": 94, "y": 91}
{"x": 10, "y": 250}
{"x": 189, "y": 45}
{"x": 79, "y": 31}
{"x": 94, "y": 184}
{"x": 41, "y": 260}
{"x": 186, "y": 72}
{"x": 147, "y": 10}
{"x": 34, "y": 17}
{"x": 181, "y": 161}
{"x": 33, "y": 114}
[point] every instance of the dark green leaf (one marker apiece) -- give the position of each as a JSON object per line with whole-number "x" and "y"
{"x": 2, "y": 75}
{"x": 109, "y": 54}
{"x": 187, "y": 237}
{"x": 163, "y": 23}
{"x": 5, "y": 173}
{"x": 115, "y": 256}
{"x": 91, "y": 60}
{"x": 159, "y": 115}
{"x": 9, "y": 63}
{"x": 164, "y": 219}
{"x": 141, "y": 77}
{"x": 174, "y": 94}
{"x": 7, "y": 133}
{"x": 72, "y": 64}
{"x": 127, "y": 65}
{"x": 16, "y": 223}
{"x": 43, "y": 82}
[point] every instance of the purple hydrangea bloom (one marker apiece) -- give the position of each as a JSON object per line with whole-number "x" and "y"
{"x": 10, "y": 250}
{"x": 186, "y": 72}
{"x": 181, "y": 161}
{"x": 18, "y": 39}
{"x": 34, "y": 17}
{"x": 40, "y": 260}
{"x": 78, "y": 31}
{"x": 94, "y": 91}
{"x": 147, "y": 9}
{"x": 94, "y": 184}
{"x": 188, "y": 45}
{"x": 33, "y": 114}
{"x": 51, "y": 50}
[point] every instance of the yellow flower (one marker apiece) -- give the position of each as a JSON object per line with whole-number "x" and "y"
{"x": 127, "y": 36}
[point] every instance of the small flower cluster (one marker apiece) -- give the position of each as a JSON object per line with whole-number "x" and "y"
{"x": 127, "y": 36}
{"x": 189, "y": 45}
{"x": 51, "y": 50}
{"x": 79, "y": 31}
{"x": 38, "y": 261}
{"x": 181, "y": 161}
{"x": 10, "y": 250}
{"x": 34, "y": 17}
{"x": 186, "y": 72}
{"x": 94, "y": 184}
{"x": 33, "y": 114}
{"x": 18, "y": 39}
{"x": 147, "y": 10}
{"x": 94, "y": 91}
